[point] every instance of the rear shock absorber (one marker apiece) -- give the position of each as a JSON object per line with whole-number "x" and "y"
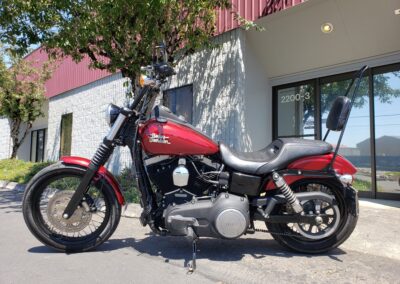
{"x": 291, "y": 198}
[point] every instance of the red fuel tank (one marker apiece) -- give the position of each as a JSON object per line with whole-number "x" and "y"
{"x": 170, "y": 138}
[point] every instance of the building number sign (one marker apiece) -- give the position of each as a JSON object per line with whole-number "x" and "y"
{"x": 295, "y": 97}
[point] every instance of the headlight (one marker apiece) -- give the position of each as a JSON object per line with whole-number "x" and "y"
{"x": 112, "y": 113}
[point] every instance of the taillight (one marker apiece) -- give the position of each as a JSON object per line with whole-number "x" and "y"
{"x": 346, "y": 179}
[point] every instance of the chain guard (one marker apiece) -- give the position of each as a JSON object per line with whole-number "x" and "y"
{"x": 55, "y": 208}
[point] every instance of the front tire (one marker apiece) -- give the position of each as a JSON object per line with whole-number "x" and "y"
{"x": 288, "y": 236}
{"x": 46, "y": 197}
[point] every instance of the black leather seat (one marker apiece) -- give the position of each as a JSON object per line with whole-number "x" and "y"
{"x": 275, "y": 156}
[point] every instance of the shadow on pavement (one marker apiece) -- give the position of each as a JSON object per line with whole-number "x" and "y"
{"x": 178, "y": 248}
{"x": 10, "y": 200}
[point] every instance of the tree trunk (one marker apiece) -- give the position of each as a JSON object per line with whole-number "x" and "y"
{"x": 14, "y": 151}
{"x": 15, "y": 129}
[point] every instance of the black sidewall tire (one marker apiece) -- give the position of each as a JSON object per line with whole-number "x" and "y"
{"x": 346, "y": 227}
{"x": 38, "y": 229}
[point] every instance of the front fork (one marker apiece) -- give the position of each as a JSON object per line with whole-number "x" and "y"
{"x": 101, "y": 156}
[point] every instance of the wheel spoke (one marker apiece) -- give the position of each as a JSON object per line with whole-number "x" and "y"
{"x": 54, "y": 198}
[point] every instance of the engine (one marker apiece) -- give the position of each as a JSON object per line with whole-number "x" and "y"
{"x": 179, "y": 180}
{"x": 226, "y": 216}
{"x": 190, "y": 194}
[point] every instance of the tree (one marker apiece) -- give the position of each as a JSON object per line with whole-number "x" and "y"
{"x": 115, "y": 35}
{"x": 22, "y": 96}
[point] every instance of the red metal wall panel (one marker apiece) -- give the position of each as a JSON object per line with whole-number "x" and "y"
{"x": 251, "y": 10}
{"x": 68, "y": 75}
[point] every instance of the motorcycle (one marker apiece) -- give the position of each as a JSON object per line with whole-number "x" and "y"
{"x": 190, "y": 185}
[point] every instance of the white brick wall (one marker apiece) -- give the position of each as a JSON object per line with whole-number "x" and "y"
{"x": 5, "y": 141}
{"x": 222, "y": 91}
{"x": 87, "y": 104}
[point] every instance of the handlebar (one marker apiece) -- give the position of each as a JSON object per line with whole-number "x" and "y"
{"x": 139, "y": 97}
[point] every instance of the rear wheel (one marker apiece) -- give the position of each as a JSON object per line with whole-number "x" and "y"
{"x": 336, "y": 223}
{"x": 46, "y": 198}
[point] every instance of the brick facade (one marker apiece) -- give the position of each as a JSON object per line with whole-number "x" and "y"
{"x": 87, "y": 105}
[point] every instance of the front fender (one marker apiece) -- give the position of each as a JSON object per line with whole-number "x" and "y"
{"x": 103, "y": 172}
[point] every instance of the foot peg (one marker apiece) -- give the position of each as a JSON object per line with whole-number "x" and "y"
{"x": 291, "y": 198}
{"x": 191, "y": 235}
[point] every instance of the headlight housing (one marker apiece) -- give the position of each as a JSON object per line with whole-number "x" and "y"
{"x": 112, "y": 113}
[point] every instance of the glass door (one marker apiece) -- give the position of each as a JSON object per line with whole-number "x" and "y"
{"x": 387, "y": 130}
{"x": 295, "y": 113}
{"x": 355, "y": 145}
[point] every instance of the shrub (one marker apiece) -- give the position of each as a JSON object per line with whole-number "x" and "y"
{"x": 128, "y": 185}
{"x": 19, "y": 171}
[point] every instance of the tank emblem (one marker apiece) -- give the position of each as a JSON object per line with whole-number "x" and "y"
{"x": 155, "y": 138}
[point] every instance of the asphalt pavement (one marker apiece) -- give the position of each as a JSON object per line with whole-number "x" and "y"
{"x": 135, "y": 255}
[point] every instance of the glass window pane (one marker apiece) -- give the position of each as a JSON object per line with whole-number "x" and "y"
{"x": 40, "y": 148}
{"x": 180, "y": 101}
{"x": 355, "y": 144}
{"x": 66, "y": 135}
{"x": 33, "y": 146}
{"x": 296, "y": 111}
{"x": 387, "y": 131}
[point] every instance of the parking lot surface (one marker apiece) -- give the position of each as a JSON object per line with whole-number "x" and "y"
{"x": 135, "y": 255}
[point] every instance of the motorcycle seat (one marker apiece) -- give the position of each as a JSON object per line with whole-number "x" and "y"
{"x": 276, "y": 156}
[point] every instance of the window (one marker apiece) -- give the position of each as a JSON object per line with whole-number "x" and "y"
{"x": 66, "y": 135}
{"x": 295, "y": 111}
{"x": 372, "y": 137}
{"x": 38, "y": 138}
{"x": 355, "y": 145}
{"x": 387, "y": 131}
{"x": 180, "y": 101}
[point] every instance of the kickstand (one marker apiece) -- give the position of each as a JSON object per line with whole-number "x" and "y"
{"x": 192, "y": 264}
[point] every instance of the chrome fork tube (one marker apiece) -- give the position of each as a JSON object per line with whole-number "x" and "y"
{"x": 116, "y": 127}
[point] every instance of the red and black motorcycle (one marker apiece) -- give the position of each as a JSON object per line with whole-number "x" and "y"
{"x": 191, "y": 186}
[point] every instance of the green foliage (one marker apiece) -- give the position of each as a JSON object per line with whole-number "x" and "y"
{"x": 18, "y": 170}
{"x": 116, "y": 35}
{"x": 22, "y": 95}
{"x": 128, "y": 185}
{"x": 362, "y": 185}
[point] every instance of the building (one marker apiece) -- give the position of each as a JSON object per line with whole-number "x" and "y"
{"x": 256, "y": 87}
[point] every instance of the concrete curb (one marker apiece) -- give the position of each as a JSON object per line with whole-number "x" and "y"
{"x": 131, "y": 210}
{"x": 10, "y": 185}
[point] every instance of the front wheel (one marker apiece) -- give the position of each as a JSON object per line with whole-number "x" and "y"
{"x": 336, "y": 226}
{"x": 46, "y": 198}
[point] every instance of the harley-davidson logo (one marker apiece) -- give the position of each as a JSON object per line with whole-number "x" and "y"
{"x": 155, "y": 138}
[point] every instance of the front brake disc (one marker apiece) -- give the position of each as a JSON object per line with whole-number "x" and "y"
{"x": 55, "y": 209}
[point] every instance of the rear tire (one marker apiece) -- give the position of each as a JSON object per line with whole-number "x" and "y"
{"x": 42, "y": 213}
{"x": 289, "y": 238}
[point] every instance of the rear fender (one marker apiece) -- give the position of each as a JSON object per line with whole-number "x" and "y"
{"x": 316, "y": 164}
{"x": 102, "y": 172}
